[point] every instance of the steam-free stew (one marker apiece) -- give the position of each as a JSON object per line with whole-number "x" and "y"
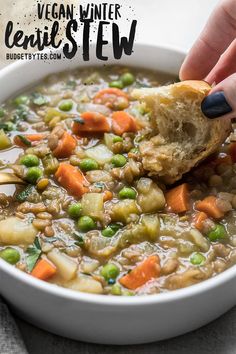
{"x": 89, "y": 217}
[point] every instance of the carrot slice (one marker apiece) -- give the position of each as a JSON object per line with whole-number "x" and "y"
{"x": 198, "y": 220}
{"x": 21, "y": 141}
{"x": 123, "y": 122}
{"x": 34, "y": 137}
{"x": 110, "y": 91}
{"x": 147, "y": 270}
{"x": 25, "y": 140}
{"x": 107, "y": 195}
{"x": 208, "y": 205}
{"x": 65, "y": 147}
{"x": 113, "y": 98}
{"x": 232, "y": 151}
{"x": 177, "y": 199}
{"x": 91, "y": 122}
{"x": 71, "y": 179}
{"x": 43, "y": 270}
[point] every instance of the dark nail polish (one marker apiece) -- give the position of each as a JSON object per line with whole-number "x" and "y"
{"x": 215, "y": 105}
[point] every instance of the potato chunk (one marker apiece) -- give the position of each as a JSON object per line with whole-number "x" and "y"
{"x": 121, "y": 211}
{"x": 15, "y": 231}
{"x": 100, "y": 153}
{"x": 66, "y": 267}
{"x": 150, "y": 197}
{"x": 92, "y": 205}
{"x": 85, "y": 284}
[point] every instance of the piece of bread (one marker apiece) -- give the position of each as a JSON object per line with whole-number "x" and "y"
{"x": 181, "y": 135}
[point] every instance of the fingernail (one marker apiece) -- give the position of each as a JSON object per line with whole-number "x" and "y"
{"x": 215, "y": 105}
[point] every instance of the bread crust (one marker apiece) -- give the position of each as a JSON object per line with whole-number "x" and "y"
{"x": 182, "y": 136}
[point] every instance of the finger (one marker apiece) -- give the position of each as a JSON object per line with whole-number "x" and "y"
{"x": 222, "y": 99}
{"x": 225, "y": 67}
{"x": 217, "y": 35}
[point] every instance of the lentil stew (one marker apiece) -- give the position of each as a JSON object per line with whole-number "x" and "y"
{"x": 89, "y": 217}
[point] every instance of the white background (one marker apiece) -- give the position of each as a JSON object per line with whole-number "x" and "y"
{"x": 175, "y": 23}
{"x": 172, "y": 22}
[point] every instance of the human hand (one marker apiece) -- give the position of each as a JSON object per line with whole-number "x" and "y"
{"x": 213, "y": 59}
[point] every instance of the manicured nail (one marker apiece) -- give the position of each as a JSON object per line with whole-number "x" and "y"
{"x": 215, "y": 105}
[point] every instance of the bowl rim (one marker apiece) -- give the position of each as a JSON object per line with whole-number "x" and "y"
{"x": 108, "y": 300}
{"x": 112, "y": 300}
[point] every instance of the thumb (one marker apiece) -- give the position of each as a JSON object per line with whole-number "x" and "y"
{"x": 222, "y": 99}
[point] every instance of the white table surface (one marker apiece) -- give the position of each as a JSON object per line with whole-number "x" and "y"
{"x": 171, "y": 23}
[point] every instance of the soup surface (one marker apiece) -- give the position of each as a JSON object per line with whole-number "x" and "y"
{"x": 89, "y": 217}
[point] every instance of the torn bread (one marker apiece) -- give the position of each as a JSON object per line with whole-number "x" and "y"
{"x": 182, "y": 136}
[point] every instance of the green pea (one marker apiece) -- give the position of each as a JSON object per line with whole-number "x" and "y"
{"x": 33, "y": 174}
{"x": 110, "y": 271}
{"x": 117, "y": 139}
{"x": 74, "y": 210}
{"x": 117, "y": 84}
{"x": 66, "y": 106}
{"x": 110, "y": 230}
{"x": 88, "y": 165}
{"x": 29, "y": 160}
{"x": 116, "y": 290}
{"x": 218, "y": 233}
{"x": 85, "y": 223}
{"x": 127, "y": 193}
{"x": 21, "y": 100}
{"x": 197, "y": 258}
{"x": 127, "y": 79}
{"x": 118, "y": 160}
{"x": 10, "y": 255}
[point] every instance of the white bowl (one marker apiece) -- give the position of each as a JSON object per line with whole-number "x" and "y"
{"x": 110, "y": 319}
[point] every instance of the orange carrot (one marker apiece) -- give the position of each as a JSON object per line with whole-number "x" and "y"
{"x": 198, "y": 220}
{"x": 34, "y": 137}
{"x": 145, "y": 271}
{"x": 109, "y": 91}
{"x": 123, "y": 122}
{"x": 43, "y": 270}
{"x": 208, "y": 205}
{"x": 71, "y": 179}
{"x": 112, "y": 98}
{"x": 91, "y": 122}
{"x": 22, "y": 142}
{"x": 25, "y": 140}
{"x": 107, "y": 195}
{"x": 65, "y": 147}
{"x": 232, "y": 151}
{"x": 177, "y": 199}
